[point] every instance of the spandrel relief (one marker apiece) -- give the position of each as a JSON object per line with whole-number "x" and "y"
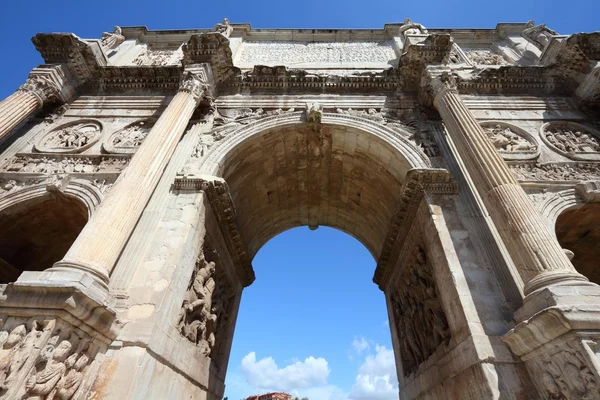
{"x": 421, "y": 323}
{"x": 575, "y": 141}
{"x": 74, "y": 137}
{"x": 128, "y": 139}
{"x": 512, "y": 143}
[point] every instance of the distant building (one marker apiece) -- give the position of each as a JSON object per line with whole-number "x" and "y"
{"x": 271, "y": 396}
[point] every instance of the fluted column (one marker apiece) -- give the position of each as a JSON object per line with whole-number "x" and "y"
{"x": 101, "y": 241}
{"x": 30, "y": 97}
{"x": 536, "y": 253}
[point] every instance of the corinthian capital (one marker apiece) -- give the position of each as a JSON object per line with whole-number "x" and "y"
{"x": 42, "y": 87}
{"x": 196, "y": 84}
{"x": 433, "y": 83}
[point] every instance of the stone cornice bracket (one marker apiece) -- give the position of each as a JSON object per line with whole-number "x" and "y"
{"x": 219, "y": 197}
{"x": 418, "y": 184}
{"x": 434, "y": 49}
{"x": 213, "y": 48}
{"x": 83, "y": 58}
{"x": 41, "y": 87}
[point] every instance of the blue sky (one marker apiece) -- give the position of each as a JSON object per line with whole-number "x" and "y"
{"x": 313, "y": 323}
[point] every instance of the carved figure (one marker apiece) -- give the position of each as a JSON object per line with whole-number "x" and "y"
{"x": 314, "y": 113}
{"x": 9, "y": 353}
{"x": 40, "y": 385}
{"x": 70, "y": 383}
{"x": 485, "y": 57}
{"x": 505, "y": 140}
{"x": 71, "y": 137}
{"x": 412, "y": 28}
{"x": 112, "y": 39}
{"x": 133, "y": 135}
{"x": 224, "y": 28}
{"x": 420, "y": 320}
{"x": 571, "y": 140}
{"x": 539, "y": 35}
{"x": 197, "y": 303}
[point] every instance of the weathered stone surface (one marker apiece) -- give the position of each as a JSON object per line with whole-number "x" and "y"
{"x": 151, "y": 166}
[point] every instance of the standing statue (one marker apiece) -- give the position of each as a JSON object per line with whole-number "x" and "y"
{"x": 411, "y": 28}
{"x": 112, "y": 39}
{"x": 224, "y": 28}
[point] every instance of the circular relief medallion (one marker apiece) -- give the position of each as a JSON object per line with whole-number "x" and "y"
{"x": 73, "y": 137}
{"x": 512, "y": 143}
{"x": 128, "y": 139}
{"x": 572, "y": 140}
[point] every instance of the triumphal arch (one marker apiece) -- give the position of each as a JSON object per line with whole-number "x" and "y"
{"x": 141, "y": 172}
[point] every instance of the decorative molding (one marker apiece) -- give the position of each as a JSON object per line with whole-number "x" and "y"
{"x": 73, "y": 137}
{"x": 220, "y": 200}
{"x": 418, "y": 183}
{"x": 49, "y": 164}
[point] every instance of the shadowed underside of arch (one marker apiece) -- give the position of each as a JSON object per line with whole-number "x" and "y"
{"x": 334, "y": 175}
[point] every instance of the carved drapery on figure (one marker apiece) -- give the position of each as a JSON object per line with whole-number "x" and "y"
{"x": 539, "y": 35}
{"x": 112, "y": 39}
{"x": 421, "y": 323}
{"x": 206, "y": 305}
{"x": 224, "y": 28}
{"x": 43, "y": 359}
{"x": 510, "y": 141}
{"x": 485, "y": 57}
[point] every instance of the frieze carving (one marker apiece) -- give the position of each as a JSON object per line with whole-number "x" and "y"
{"x": 485, "y": 57}
{"x": 556, "y": 172}
{"x": 512, "y": 143}
{"x": 128, "y": 139}
{"x": 296, "y": 54}
{"x": 41, "y": 87}
{"x": 572, "y": 140}
{"x": 71, "y": 138}
{"x": 567, "y": 371}
{"x": 421, "y": 323}
{"x": 44, "y": 358}
{"x": 158, "y": 57}
{"x": 64, "y": 165}
{"x": 203, "y": 316}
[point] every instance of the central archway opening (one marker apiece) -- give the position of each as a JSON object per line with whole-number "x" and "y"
{"x": 38, "y": 232}
{"x": 313, "y": 324}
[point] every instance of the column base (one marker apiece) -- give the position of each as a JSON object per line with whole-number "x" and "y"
{"x": 555, "y": 278}
{"x": 66, "y": 270}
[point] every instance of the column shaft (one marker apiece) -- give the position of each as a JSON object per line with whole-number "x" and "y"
{"x": 534, "y": 249}
{"x": 101, "y": 241}
{"x": 15, "y": 108}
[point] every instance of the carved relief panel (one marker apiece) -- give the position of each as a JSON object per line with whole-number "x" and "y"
{"x": 128, "y": 139}
{"x": 42, "y": 358}
{"x": 568, "y": 371}
{"x": 512, "y": 143}
{"x": 74, "y": 137}
{"x": 484, "y": 56}
{"x": 572, "y": 140}
{"x": 420, "y": 322}
{"x": 207, "y": 306}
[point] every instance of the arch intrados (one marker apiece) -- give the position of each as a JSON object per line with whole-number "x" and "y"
{"x": 379, "y": 167}
{"x": 397, "y": 139}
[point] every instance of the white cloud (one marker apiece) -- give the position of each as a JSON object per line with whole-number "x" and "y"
{"x": 376, "y": 379}
{"x": 360, "y": 345}
{"x": 265, "y": 373}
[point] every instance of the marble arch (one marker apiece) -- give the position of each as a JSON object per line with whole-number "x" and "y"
{"x": 251, "y": 127}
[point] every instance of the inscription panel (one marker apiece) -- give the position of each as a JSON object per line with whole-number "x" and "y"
{"x": 298, "y": 54}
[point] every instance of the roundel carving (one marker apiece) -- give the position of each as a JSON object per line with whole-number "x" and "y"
{"x": 572, "y": 140}
{"x": 513, "y": 143}
{"x": 128, "y": 139}
{"x": 73, "y": 137}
